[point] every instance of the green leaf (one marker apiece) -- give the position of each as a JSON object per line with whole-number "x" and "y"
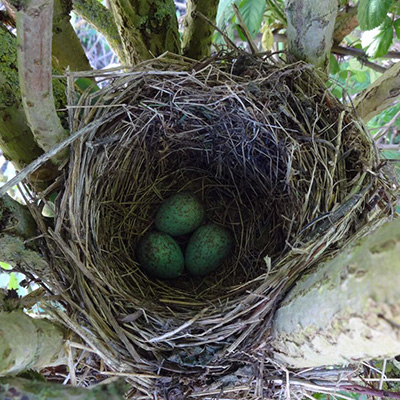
{"x": 84, "y": 83}
{"x": 224, "y": 19}
{"x": 379, "y": 39}
{"x": 396, "y": 25}
{"x": 13, "y": 284}
{"x": 5, "y": 265}
{"x": 371, "y": 13}
{"x": 225, "y": 12}
{"x": 333, "y": 65}
{"x": 252, "y": 13}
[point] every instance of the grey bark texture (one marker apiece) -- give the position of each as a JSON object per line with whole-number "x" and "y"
{"x": 380, "y": 95}
{"x": 28, "y": 343}
{"x": 348, "y": 310}
{"x": 34, "y": 26}
{"x": 310, "y": 29}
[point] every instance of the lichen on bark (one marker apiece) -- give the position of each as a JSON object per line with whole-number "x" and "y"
{"x": 310, "y": 29}
{"x": 347, "y": 310}
{"x": 29, "y": 343}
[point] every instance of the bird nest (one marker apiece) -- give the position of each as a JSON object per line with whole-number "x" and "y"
{"x": 272, "y": 155}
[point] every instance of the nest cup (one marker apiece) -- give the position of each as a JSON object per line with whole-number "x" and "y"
{"x": 273, "y": 157}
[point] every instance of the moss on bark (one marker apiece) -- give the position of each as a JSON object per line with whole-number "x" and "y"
{"x": 147, "y": 28}
{"x": 16, "y": 139}
{"x": 101, "y": 18}
{"x": 197, "y": 36}
{"x": 23, "y": 389}
{"x": 66, "y": 47}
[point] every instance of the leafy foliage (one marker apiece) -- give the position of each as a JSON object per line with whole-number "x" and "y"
{"x": 371, "y": 13}
{"x": 377, "y": 41}
{"x": 251, "y": 11}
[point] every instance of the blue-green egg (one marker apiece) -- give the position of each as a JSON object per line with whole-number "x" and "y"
{"x": 180, "y": 214}
{"x": 160, "y": 256}
{"x": 207, "y": 249}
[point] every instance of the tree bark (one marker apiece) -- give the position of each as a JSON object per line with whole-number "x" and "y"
{"x": 34, "y": 22}
{"x": 24, "y": 389}
{"x": 310, "y": 29}
{"x": 346, "y": 22}
{"x": 197, "y": 35}
{"x": 16, "y": 139}
{"x": 380, "y": 95}
{"x": 16, "y": 226}
{"x": 101, "y": 18}
{"x": 66, "y": 47}
{"x": 148, "y": 28}
{"x": 28, "y": 343}
{"x": 347, "y": 310}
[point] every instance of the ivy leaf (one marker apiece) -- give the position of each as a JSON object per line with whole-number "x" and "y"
{"x": 371, "y": 13}
{"x": 252, "y": 13}
{"x": 378, "y": 41}
{"x": 396, "y": 25}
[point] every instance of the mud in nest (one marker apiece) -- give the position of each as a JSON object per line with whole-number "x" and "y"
{"x": 273, "y": 156}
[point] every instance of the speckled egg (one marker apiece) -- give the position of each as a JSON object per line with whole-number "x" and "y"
{"x": 160, "y": 256}
{"x": 208, "y": 247}
{"x": 180, "y": 214}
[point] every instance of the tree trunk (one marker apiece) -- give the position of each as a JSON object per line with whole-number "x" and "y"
{"x": 310, "y": 29}
{"x": 347, "y": 310}
{"x": 148, "y": 28}
{"x": 23, "y": 389}
{"x": 197, "y": 36}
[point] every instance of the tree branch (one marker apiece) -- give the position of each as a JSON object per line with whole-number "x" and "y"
{"x": 17, "y": 388}
{"x": 16, "y": 139}
{"x": 349, "y": 309}
{"x": 29, "y": 343}
{"x": 380, "y": 95}
{"x": 102, "y": 20}
{"x": 346, "y": 22}
{"x": 66, "y": 47}
{"x": 310, "y": 29}
{"x": 197, "y": 35}
{"x": 17, "y": 226}
{"x": 34, "y": 22}
{"x": 360, "y": 55}
{"x": 148, "y": 28}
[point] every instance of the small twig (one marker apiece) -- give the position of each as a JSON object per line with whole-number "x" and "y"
{"x": 386, "y": 127}
{"x": 7, "y": 19}
{"x": 360, "y": 55}
{"x": 228, "y": 41}
{"x": 25, "y": 172}
{"x": 352, "y": 51}
{"x": 245, "y": 30}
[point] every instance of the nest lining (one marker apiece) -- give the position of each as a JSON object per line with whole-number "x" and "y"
{"x": 272, "y": 155}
